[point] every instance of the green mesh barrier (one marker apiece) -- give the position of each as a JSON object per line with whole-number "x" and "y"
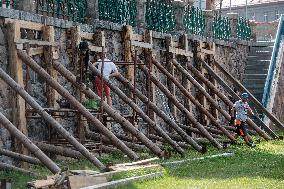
{"x": 7, "y": 3}
{"x": 74, "y": 10}
{"x": 194, "y": 20}
{"x": 160, "y": 16}
{"x": 118, "y": 11}
{"x": 243, "y": 29}
{"x": 221, "y": 27}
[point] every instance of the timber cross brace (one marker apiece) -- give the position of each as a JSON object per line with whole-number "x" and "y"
{"x": 185, "y": 87}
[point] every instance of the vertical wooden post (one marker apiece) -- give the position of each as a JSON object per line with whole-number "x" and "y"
{"x": 75, "y": 41}
{"x": 183, "y": 43}
{"x": 5, "y": 184}
{"x": 18, "y": 103}
{"x": 51, "y": 94}
{"x": 127, "y": 36}
{"x": 210, "y": 58}
{"x": 201, "y": 98}
{"x": 170, "y": 68}
{"x": 148, "y": 38}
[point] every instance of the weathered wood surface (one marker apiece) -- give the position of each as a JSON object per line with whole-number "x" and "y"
{"x": 254, "y": 100}
{"x": 161, "y": 114}
{"x": 108, "y": 109}
{"x": 77, "y": 181}
{"x": 193, "y": 100}
{"x": 182, "y": 108}
{"x": 140, "y": 112}
{"x": 16, "y": 71}
{"x": 49, "y": 119}
{"x": 26, "y": 142}
{"x": 74, "y": 102}
{"x": 20, "y": 157}
{"x": 123, "y": 182}
{"x": 231, "y": 92}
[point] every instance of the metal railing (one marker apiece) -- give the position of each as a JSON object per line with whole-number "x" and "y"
{"x": 10, "y": 4}
{"x": 118, "y": 11}
{"x": 272, "y": 66}
{"x": 159, "y": 15}
{"x": 194, "y": 20}
{"x": 221, "y": 27}
{"x": 67, "y": 9}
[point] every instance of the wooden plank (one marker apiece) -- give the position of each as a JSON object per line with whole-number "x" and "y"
{"x": 88, "y": 36}
{"x": 51, "y": 94}
{"x": 208, "y": 52}
{"x": 25, "y": 24}
{"x": 77, "y": 182}
{"x": 96, "y": 49}
{"x": 180, "y": 52}
{"x": 36, "y": 42}
{"x": 151, "y": 87}
{"x": 18, "y": 103}
{"x": 35, "y": 51}
{"x": 142, "y": 162}
{"x": 142, "y": 44}
{"x": 121, "y": 170}
{"x": 124, "y": 182}
{"x": 137, "y": 37}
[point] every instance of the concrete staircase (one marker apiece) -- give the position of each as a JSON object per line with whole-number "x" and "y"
{"x": 257, "y": 68}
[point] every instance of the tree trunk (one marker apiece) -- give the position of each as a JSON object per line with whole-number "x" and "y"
{"x": 20, "y": 157}
{"x": 25, "y": 140}
{"x": 59, "y": 150}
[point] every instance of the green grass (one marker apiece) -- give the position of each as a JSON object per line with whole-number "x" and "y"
{"x": 260, "y": 167}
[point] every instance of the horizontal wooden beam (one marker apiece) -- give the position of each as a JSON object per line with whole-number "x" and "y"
{"x": 141, "y": 44}
{"x": 180, "y": 52}
{"x": 25, "y": 24}
{"x": 35, "y": 51}
{"x": 96, "y": 48}
{"x": 137, "y": 37}
{"x": 36, "y": 42}
{"x": 88, "y": 36}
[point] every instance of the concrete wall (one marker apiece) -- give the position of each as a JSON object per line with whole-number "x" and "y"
{"x": 230, "y": 54}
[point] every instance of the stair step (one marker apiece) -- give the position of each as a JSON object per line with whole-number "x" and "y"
{"x": 258, "y": 63}
{"x": 251, "y": 86}
{"x": 262, "y": 43}
{"x": 253, "y": 81}
{"x": 262, "y": 57}
{"x": 266, "y": 48}
{"x": 256, "y": 71}
{"x": 255, "y": 76}
{"x": 260, "y": 53}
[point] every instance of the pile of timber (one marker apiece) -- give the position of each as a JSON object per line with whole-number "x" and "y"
{"x": 87, "y": 179}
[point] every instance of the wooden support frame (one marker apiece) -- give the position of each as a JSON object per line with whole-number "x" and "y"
{"x": 170, "y": 55}
{"x": 151, "y": 88}
{"x": 18, "y": 103}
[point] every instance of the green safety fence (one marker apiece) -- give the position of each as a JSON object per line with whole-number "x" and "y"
{"x": 160, "y": 15}
{"x": 221, "y": 27}
{"x": 194, "y": 20}
{"x": 118, "y": 11}
{"x": 74, "y": 10}
{"x": 243, "y": 29}
{"x": 92, "y": 104}
{"x": 7, "y": 3}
